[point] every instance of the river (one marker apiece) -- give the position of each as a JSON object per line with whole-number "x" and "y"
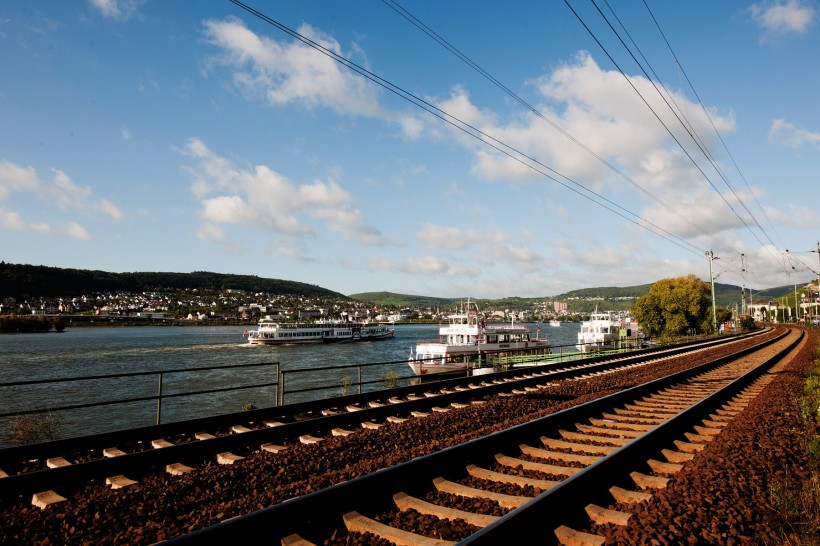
{"x": 84, "y": 352}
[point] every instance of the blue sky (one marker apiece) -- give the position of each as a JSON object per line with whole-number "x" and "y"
{"x": 177, "y": 136}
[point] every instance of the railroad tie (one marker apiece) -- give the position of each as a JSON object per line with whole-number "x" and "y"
{"x": 308, "y": 439}
{"x": 239, "y": 429}
{"x": 112, "y": 452}
{"x": 627, "y": 496}
{"x": 586, "y": 460}
{"x": 459, "y": 405}
{"x": 609, "y": 432}
{"x": 204, "y": 436}
{"x": 503, "y": 500}
{"x": 405, "y": 502}
{"x": 228, "y": 458}
{"x": 622, "y": 424}
{"x": 576, "y": 446}
{"x": 645, "y": 481}
{"x": 698, "y": 438}
{"x": 438, "y": 409}
{"x": 500, "y": 477}
{"x": 414, "y": 397}
{"x": 272, "y": 448}
{"x": 178, "y": 469}
{"x": 57, "y": 462}
{"x": 396, "y": 420}
{"x": 592, "y": 438}
{"x": 271, "y": 424}
{"x": 327, "y": 412}
{"x": 353, "y": 408}
{"x": 429, "y": 394}
{"x": 370, "y": 425}
{"x": 604, "y": 515}
{"x": 677, "y": 456}
{"x": 663, "y": 468}
{"x": 341, "y": 432}
{"x": 46, "y": 498}
{"x": 707, "y": 431}
{"x": 688, "y": 447}
{"x": 3, "y": 474}
{"x": 160, "y": 443}
{"x": 419, "y": 414}
{"x": 570, "y": 537}
{"x": 374, "y": 404}
{"x": 514, "y": 462}
{"x": 394, "y": 400}
{"x": 357, "y": 523}
{"x": 296, "y": 540}
{"x": 118, "y": 482}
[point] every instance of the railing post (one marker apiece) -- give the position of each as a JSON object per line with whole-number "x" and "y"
{"x": 282, "y": 389}
{"x": 359, "y": 370}
{"x": 159, "y": 398}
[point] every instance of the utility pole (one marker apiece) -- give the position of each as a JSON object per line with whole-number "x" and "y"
{"x": 743, "y": 288}
{"x": 712, "y": 279}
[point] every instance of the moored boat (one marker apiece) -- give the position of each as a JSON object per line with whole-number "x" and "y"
{"x": 555, "y": 323}
{"x": 467, "y": 342}
{"x": 609, "y": 330}
{"x": 272, "y": 332}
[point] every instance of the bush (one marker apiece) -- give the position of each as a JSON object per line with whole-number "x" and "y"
{"x": 31, "y": 429}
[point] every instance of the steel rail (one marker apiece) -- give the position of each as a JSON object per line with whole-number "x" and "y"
{"x": 317, "y": 513}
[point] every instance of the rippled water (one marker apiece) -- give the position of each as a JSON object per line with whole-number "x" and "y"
{"x": 83, "y": 352}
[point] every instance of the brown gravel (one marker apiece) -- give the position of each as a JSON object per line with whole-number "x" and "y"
{"x": 163, "y": 506}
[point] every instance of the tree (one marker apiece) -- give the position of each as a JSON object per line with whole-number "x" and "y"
{"x": 674, "y": 306}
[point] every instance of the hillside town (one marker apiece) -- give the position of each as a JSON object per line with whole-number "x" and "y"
{"x": 197, "y": 305}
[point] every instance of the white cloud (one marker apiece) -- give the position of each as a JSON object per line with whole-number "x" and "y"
{"x": 789, "y": 17}
{"x": 261, "y": 198}
{"x": 61, "y": 193}
{"x": 73, "y": 229}
{"x": 798, "y": 217}
{"x": 291, "y": 72}
{"x": 792, "y": 136}
{"x": 13, "y": 221}
{"x": 16, "y": 178}
{"x": 117, "y": 10}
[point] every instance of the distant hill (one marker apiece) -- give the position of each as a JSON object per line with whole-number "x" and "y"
{"x": 583, "y": 300}
{"x": 25, "y": 281}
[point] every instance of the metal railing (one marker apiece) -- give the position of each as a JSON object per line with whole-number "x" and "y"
{"x": 158, "y": 397}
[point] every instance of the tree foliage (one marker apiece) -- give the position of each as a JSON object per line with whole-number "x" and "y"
{"x": 674, "y": 307}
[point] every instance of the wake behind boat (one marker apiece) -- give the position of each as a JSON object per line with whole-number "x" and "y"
{"x": 468, "y": 342}
{"x": 272, "y": 332}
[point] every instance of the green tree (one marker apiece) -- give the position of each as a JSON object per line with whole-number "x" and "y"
{"x": 675, "y": 306}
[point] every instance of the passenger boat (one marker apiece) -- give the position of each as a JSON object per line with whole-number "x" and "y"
{"x": 609, "y": 330}
{"x": 272, "y": 332}
{"x": 555, "y": 322}
{"x": 467, "y": 342}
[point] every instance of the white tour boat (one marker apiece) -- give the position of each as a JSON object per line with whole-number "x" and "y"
{"x": 608, "y": 330}
{"x": 468, "y": 342}
{"x": 272, "y": 332}
{"x": 555, "y": 323}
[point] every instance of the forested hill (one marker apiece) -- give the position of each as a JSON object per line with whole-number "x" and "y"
{"x": 25, "y": 281}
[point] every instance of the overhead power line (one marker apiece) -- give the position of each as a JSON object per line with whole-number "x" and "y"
{"x": 395, "y": 6}
{"x": 657, "y": 116}
{"x": 474, "y": 132}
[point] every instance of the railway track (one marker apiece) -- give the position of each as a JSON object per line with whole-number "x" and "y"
{"x": 87, "y": 484}
{"x": 569, "y": 468}
{"x": 175, "y": 447}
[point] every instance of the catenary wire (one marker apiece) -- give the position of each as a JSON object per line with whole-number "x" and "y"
{"x": 403, "y": 12}
{"x": 711, "y": 121}
{"x": 468, "y": 129}
{"x": 657, "y": 116}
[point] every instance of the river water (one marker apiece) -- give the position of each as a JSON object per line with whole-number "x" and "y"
{"x": 85, "y": 352}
